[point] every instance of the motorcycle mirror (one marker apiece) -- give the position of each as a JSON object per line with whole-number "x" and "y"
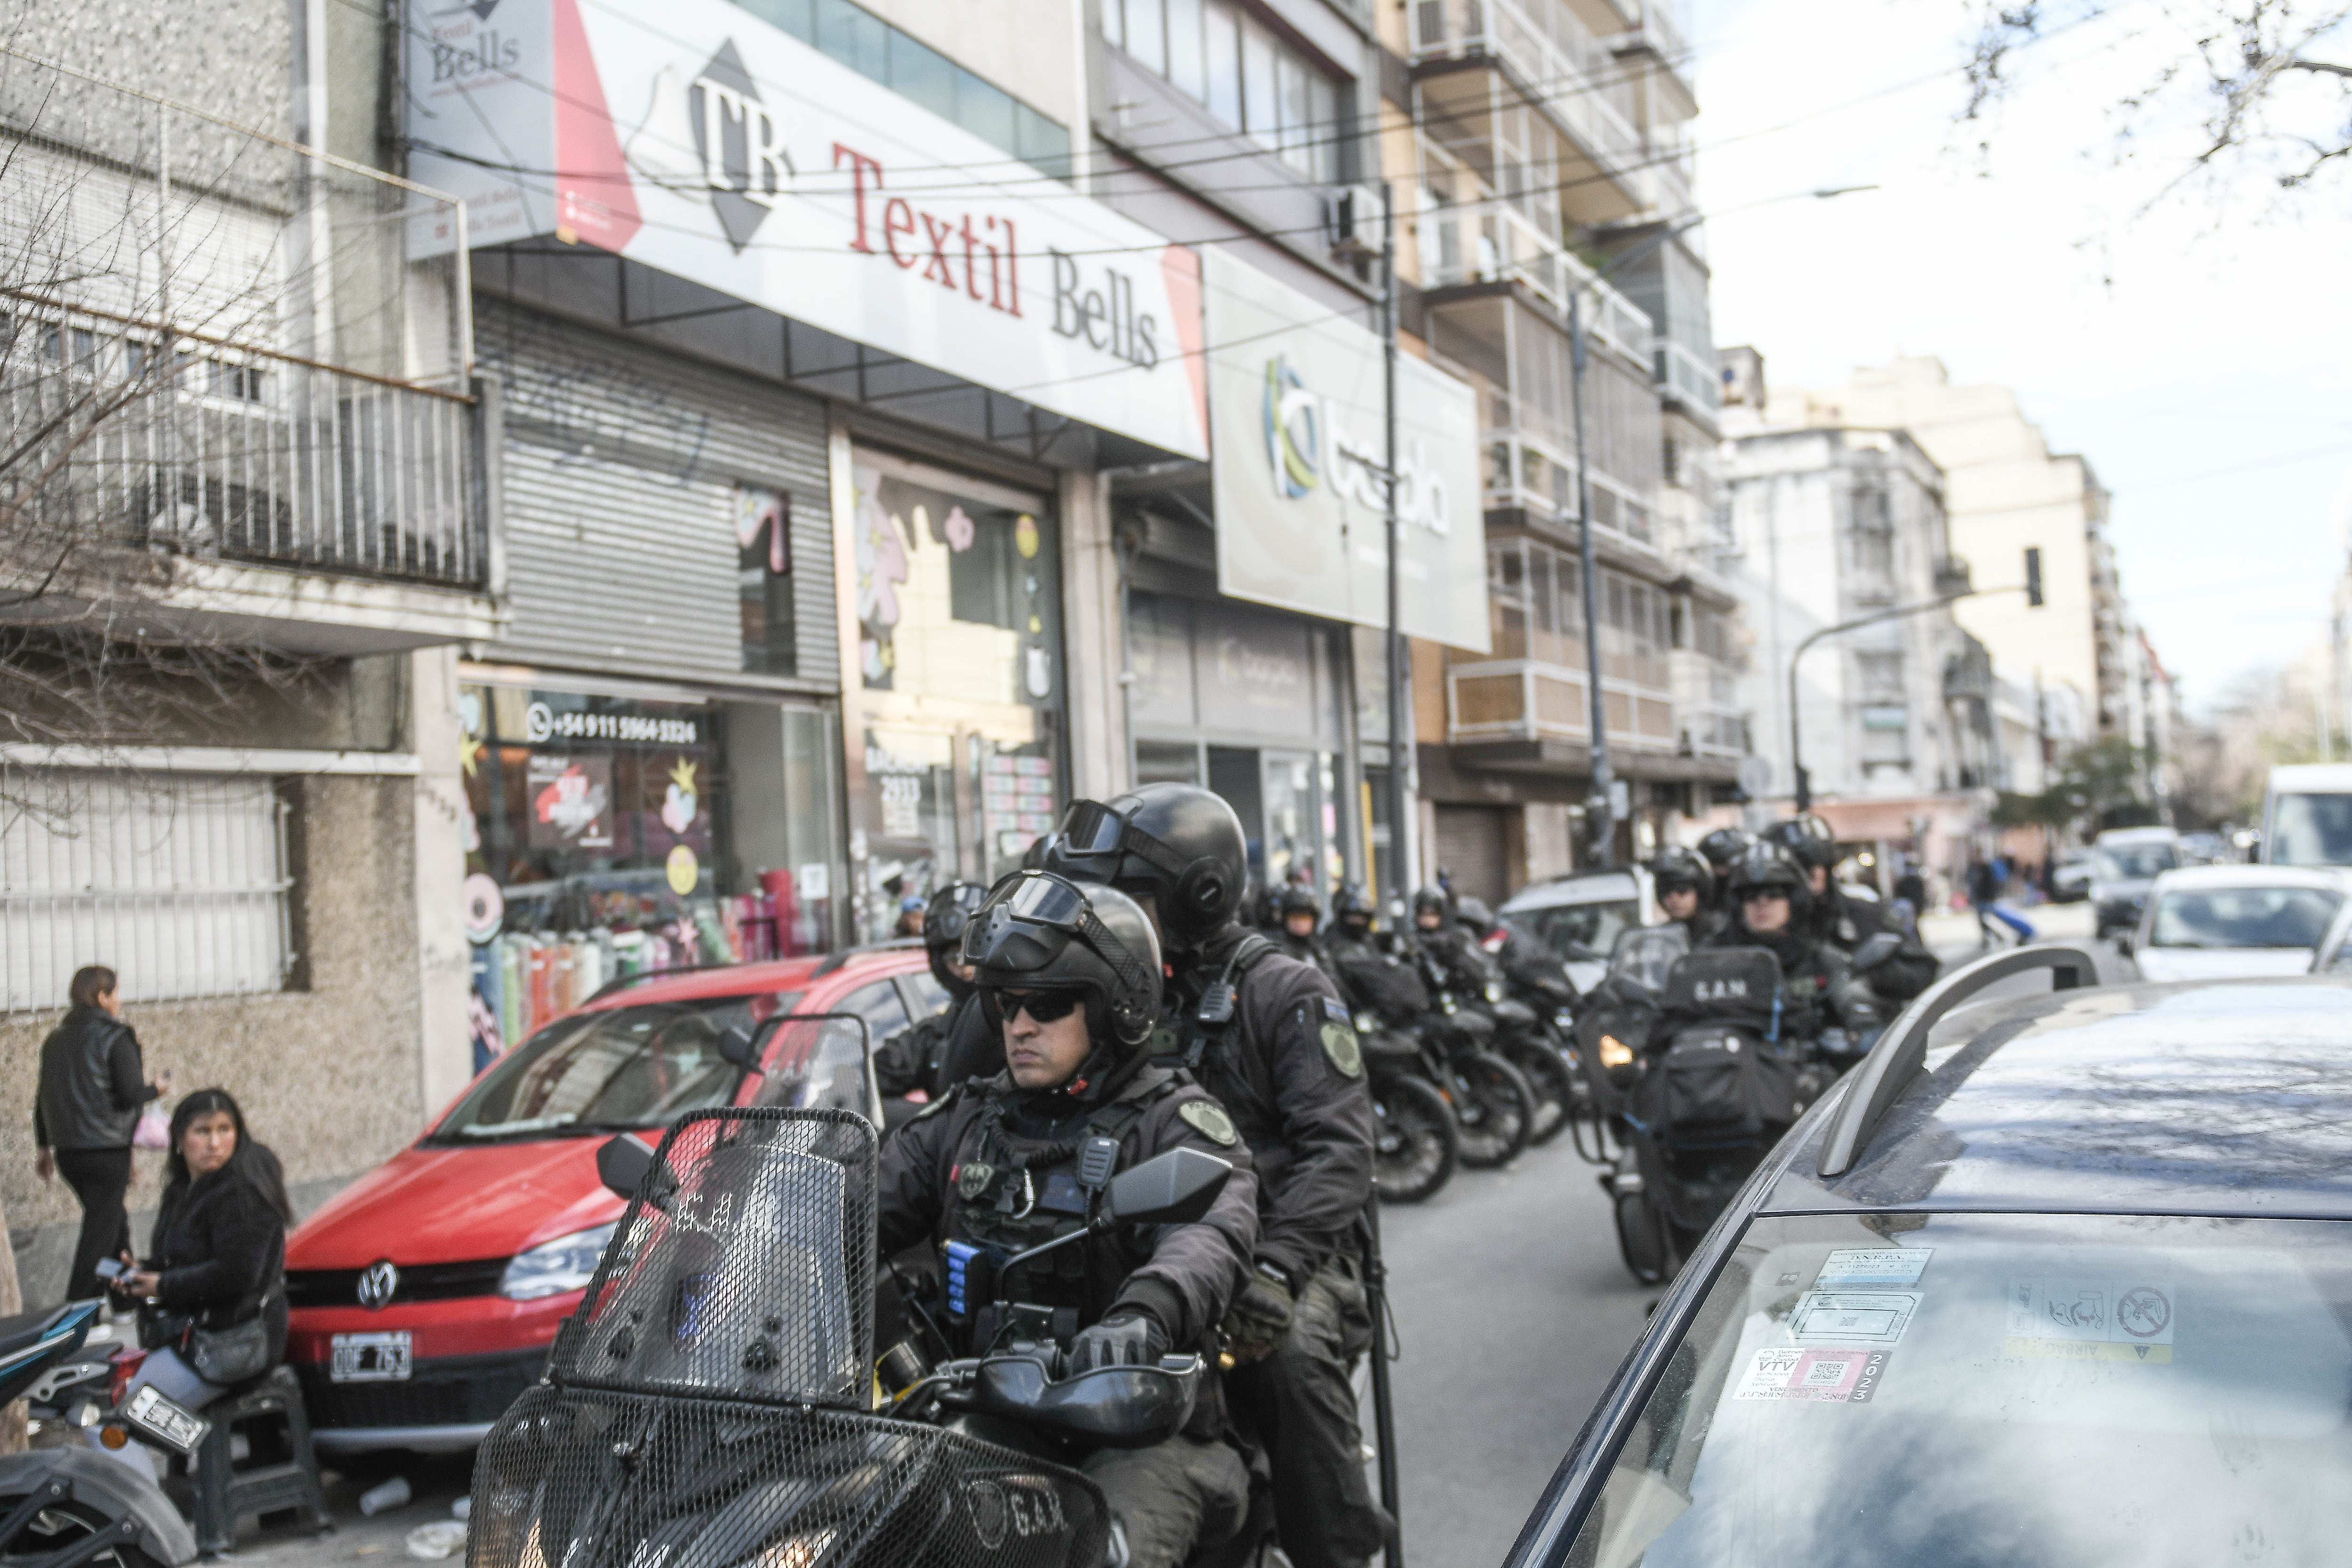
{"x": 622, "y": 1164}
{"x": 1877, "y": 951}
{"x": 1174, "y": 1188}
{"x": 735, "y": 1048}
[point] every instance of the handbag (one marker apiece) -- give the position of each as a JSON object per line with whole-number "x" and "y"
{"x": 154, "y": 1129}
{"x": 233, "y": 1355}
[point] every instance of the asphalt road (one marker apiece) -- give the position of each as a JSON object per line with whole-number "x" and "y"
{"x": 1513, "y": 1310}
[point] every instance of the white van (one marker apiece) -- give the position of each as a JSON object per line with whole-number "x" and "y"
{"x": 2308, "y": 816}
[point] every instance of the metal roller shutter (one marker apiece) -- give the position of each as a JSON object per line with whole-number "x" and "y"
{"x": 621, "y": 468}
{"x": 1470, "y": 845}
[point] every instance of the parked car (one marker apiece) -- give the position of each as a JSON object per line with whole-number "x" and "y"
{"x": 2307, "y": 816}
{"x": 425, "y": 1295}
{"x": 2216, "y": 922}
{"x": 1578, "y": 917}
{"x": 2126, "y": 863}
{"x": 2075, "y": 1294}
{"x": 2070, "y": 878}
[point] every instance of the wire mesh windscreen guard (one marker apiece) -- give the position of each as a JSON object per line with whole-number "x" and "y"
{"x": 703, "y": 1406}
{"x": 743, "y": 1268}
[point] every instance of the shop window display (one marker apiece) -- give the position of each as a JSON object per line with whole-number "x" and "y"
{"x": 596, "y": 827}
{"x": 959, "y": 607}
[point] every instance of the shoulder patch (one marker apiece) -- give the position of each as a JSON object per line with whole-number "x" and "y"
{"x": 1207, "y": 1118}
{"x": 1347, "y": 1055}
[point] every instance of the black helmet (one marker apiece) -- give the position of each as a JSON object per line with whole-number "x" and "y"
{"x": 1176, "y": 842}
{"x": 1353, "y": 908}
{"x": 1428, "y": 899}
{"x": 1767, "y": 867}
{"x": 952, "y": 905}
{"x": 1472, "y": 912}
{"x": 1808, "y": 838}
{"x": 1044, "y": 931}
{"x": 1721, "y": 847}
{"x": 1676, "y": 869}
{"x": 1295, "y": 899}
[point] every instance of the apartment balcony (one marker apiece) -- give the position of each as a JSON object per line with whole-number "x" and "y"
{"x": 1553, "y": 63}
{"x": 1526, "y": 699}
{"x": 1656, "y": 38}
{"x": 1492, "y": 242}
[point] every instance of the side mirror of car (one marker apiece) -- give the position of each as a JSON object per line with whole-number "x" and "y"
{"x": 735, "y": 1048}
{"x": 1875, "y": 951}
{"x": 622, "y": 1164}
{"x": 1174, "y": 1188}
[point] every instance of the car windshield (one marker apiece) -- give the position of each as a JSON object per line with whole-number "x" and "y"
{"x": 1949, "y": 1390}
{"x": 2311, "y": 830}
{"x": 2243, "y": 917}
{"x": 2137, "y": 862}
{"x": 610, "y": 1069}
{"x": 1582, "y": 931}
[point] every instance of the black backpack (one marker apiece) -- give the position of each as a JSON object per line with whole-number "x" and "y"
{"x": 1716, "y": 1084}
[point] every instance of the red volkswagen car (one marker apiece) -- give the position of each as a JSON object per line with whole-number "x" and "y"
{"x": 425, "y": 1296}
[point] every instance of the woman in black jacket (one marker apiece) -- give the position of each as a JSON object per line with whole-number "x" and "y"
{"x": 92, "y": 1088}
{"x": 218, "y": 1260}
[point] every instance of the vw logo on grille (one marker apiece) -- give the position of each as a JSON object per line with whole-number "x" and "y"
{"x": 377, "y": 1283}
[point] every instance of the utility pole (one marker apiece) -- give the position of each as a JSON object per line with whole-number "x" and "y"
{"x": 1600, "y": 806}
{"x": 1399, "y": 741}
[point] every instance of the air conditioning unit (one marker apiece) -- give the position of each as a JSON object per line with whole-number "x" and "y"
{"x": 1352, "y": 217}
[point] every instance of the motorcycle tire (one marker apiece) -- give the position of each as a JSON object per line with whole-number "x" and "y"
{"x": 1641, "y": 1239}
{"x": 1555, "y": 1087}
{"x": 1493, "y": 1108}
{"x": 1414, "y": 1146}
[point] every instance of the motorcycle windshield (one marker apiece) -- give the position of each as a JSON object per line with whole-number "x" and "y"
{"x": 1646, "y": 955}
{"x": 744, "y": 1267}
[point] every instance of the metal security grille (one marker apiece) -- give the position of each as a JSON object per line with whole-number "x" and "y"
{"x": 707, "y": 1406}
{"x": 176, "y": 882}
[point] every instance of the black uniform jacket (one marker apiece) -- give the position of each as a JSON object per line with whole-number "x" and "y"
{"x": 1848, "y": 922}
{"x": 1188, "y": 1271}
{"x": 1290, "y": 1070}
{"x": 1817, "y": 988}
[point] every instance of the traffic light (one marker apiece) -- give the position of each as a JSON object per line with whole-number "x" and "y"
{"x": 2033, "y": 578}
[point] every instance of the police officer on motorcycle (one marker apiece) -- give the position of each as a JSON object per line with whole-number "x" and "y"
{"x": 1847, "y": 922}
{"x": 1071, "y": 977}
{"x": 1268, "y": 1034}
{"x": 1772, "y": 905}
{"x": 1721, "y": 849}
{"x": 959, "y": 1043}
{"x": 1298, "y": 914}
{"x": 1685, "y": 884}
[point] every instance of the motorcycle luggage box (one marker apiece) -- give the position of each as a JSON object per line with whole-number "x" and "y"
{"x": 1741, "y": 983}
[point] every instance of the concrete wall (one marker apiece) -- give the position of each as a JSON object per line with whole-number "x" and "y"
{"x": 327, "y": 1076}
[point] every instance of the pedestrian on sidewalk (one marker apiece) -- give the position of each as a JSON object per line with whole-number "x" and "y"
{"x": 92, "y": 1087}
{"x": 1984, "y": 888}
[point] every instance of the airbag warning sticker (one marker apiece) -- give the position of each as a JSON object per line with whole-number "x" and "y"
{"x": 1873, "y": 1268}
{"x": 2091, "y": 1319}
{"x": 1812, "y": 1376}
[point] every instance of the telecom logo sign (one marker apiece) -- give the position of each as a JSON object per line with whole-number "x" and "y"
{"x": 743, "y": 162}
{"x": 1298, "y": 424}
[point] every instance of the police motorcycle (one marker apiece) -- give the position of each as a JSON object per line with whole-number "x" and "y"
{"x": 716, "y": 1399}
{"x": 1494, "y": 1104}
{"x": 72, "y": 1506}
{"x": 1528, "y": 994}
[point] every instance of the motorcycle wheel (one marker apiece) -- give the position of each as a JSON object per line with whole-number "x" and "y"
{"x": 1493, "y": 1107}
{"x": 1555, "y": 1089}
{"x": 1414, "y": 1143}
{"x": 1642, "y": 1238}
{"x": 57, "y": 1529}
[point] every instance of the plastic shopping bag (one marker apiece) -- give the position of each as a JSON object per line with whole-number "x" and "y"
{"x": 154, "y": 1129}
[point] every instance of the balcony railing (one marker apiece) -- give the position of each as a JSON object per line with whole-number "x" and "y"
{"x": 1527, "y": 472}
{"x": 1492, "y": 241}
{"x": 1522, "y": 699}
{"x": 1569, "y": 72}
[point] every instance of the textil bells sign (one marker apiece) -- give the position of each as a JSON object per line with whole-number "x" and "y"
{"x": 700, "y": 141}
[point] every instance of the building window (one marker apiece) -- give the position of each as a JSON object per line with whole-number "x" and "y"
{"x": 1234, "y": 66}
{"x": 176, "y": 883}
{"x": 912, "y": 68}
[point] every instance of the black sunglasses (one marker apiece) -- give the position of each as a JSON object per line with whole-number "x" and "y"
{"x": 1042, "y": 1006}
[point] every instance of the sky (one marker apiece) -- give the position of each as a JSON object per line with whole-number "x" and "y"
{"x": 2197, "y": 351}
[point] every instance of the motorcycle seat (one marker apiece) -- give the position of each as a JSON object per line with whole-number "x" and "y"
{"x": 23, "y": 1330}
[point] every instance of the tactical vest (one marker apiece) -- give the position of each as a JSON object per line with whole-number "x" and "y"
{"x": 1200, "y": 1042}
{"x": 1015, "y": 1193}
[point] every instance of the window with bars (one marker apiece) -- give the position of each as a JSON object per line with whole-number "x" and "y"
{"x": 178, "y": 883}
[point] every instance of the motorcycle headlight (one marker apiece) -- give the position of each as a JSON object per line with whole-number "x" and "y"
{"x": 552, "y": 1267}
{"x": 1615, "y": 1053}
{"x": 1494, "y": 991}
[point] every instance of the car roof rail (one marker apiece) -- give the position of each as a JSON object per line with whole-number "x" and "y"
{"x": 1895, "y": 1060}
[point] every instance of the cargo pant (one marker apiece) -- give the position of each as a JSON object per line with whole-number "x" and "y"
{"x": 1299, "y": 1405}
{"x": 1173, "y": 1497}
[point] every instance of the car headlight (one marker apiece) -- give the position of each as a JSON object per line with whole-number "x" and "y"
{"x": 552, "y": 1267}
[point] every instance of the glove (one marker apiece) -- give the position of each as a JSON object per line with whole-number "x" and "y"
{"x": 1260, "y": 1314}
{"x": 1127, "y": 1337}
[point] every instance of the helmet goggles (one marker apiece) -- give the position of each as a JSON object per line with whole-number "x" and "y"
{"x": 1091, "y": 831}
{"x": 1031, "y": 917}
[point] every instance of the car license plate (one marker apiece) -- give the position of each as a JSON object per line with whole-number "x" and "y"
{"x": 370, "y": 1358}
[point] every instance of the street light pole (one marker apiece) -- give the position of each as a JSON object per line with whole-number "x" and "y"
{"x": 1398, "y": 740}
{"x": 1600, "y": 806}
